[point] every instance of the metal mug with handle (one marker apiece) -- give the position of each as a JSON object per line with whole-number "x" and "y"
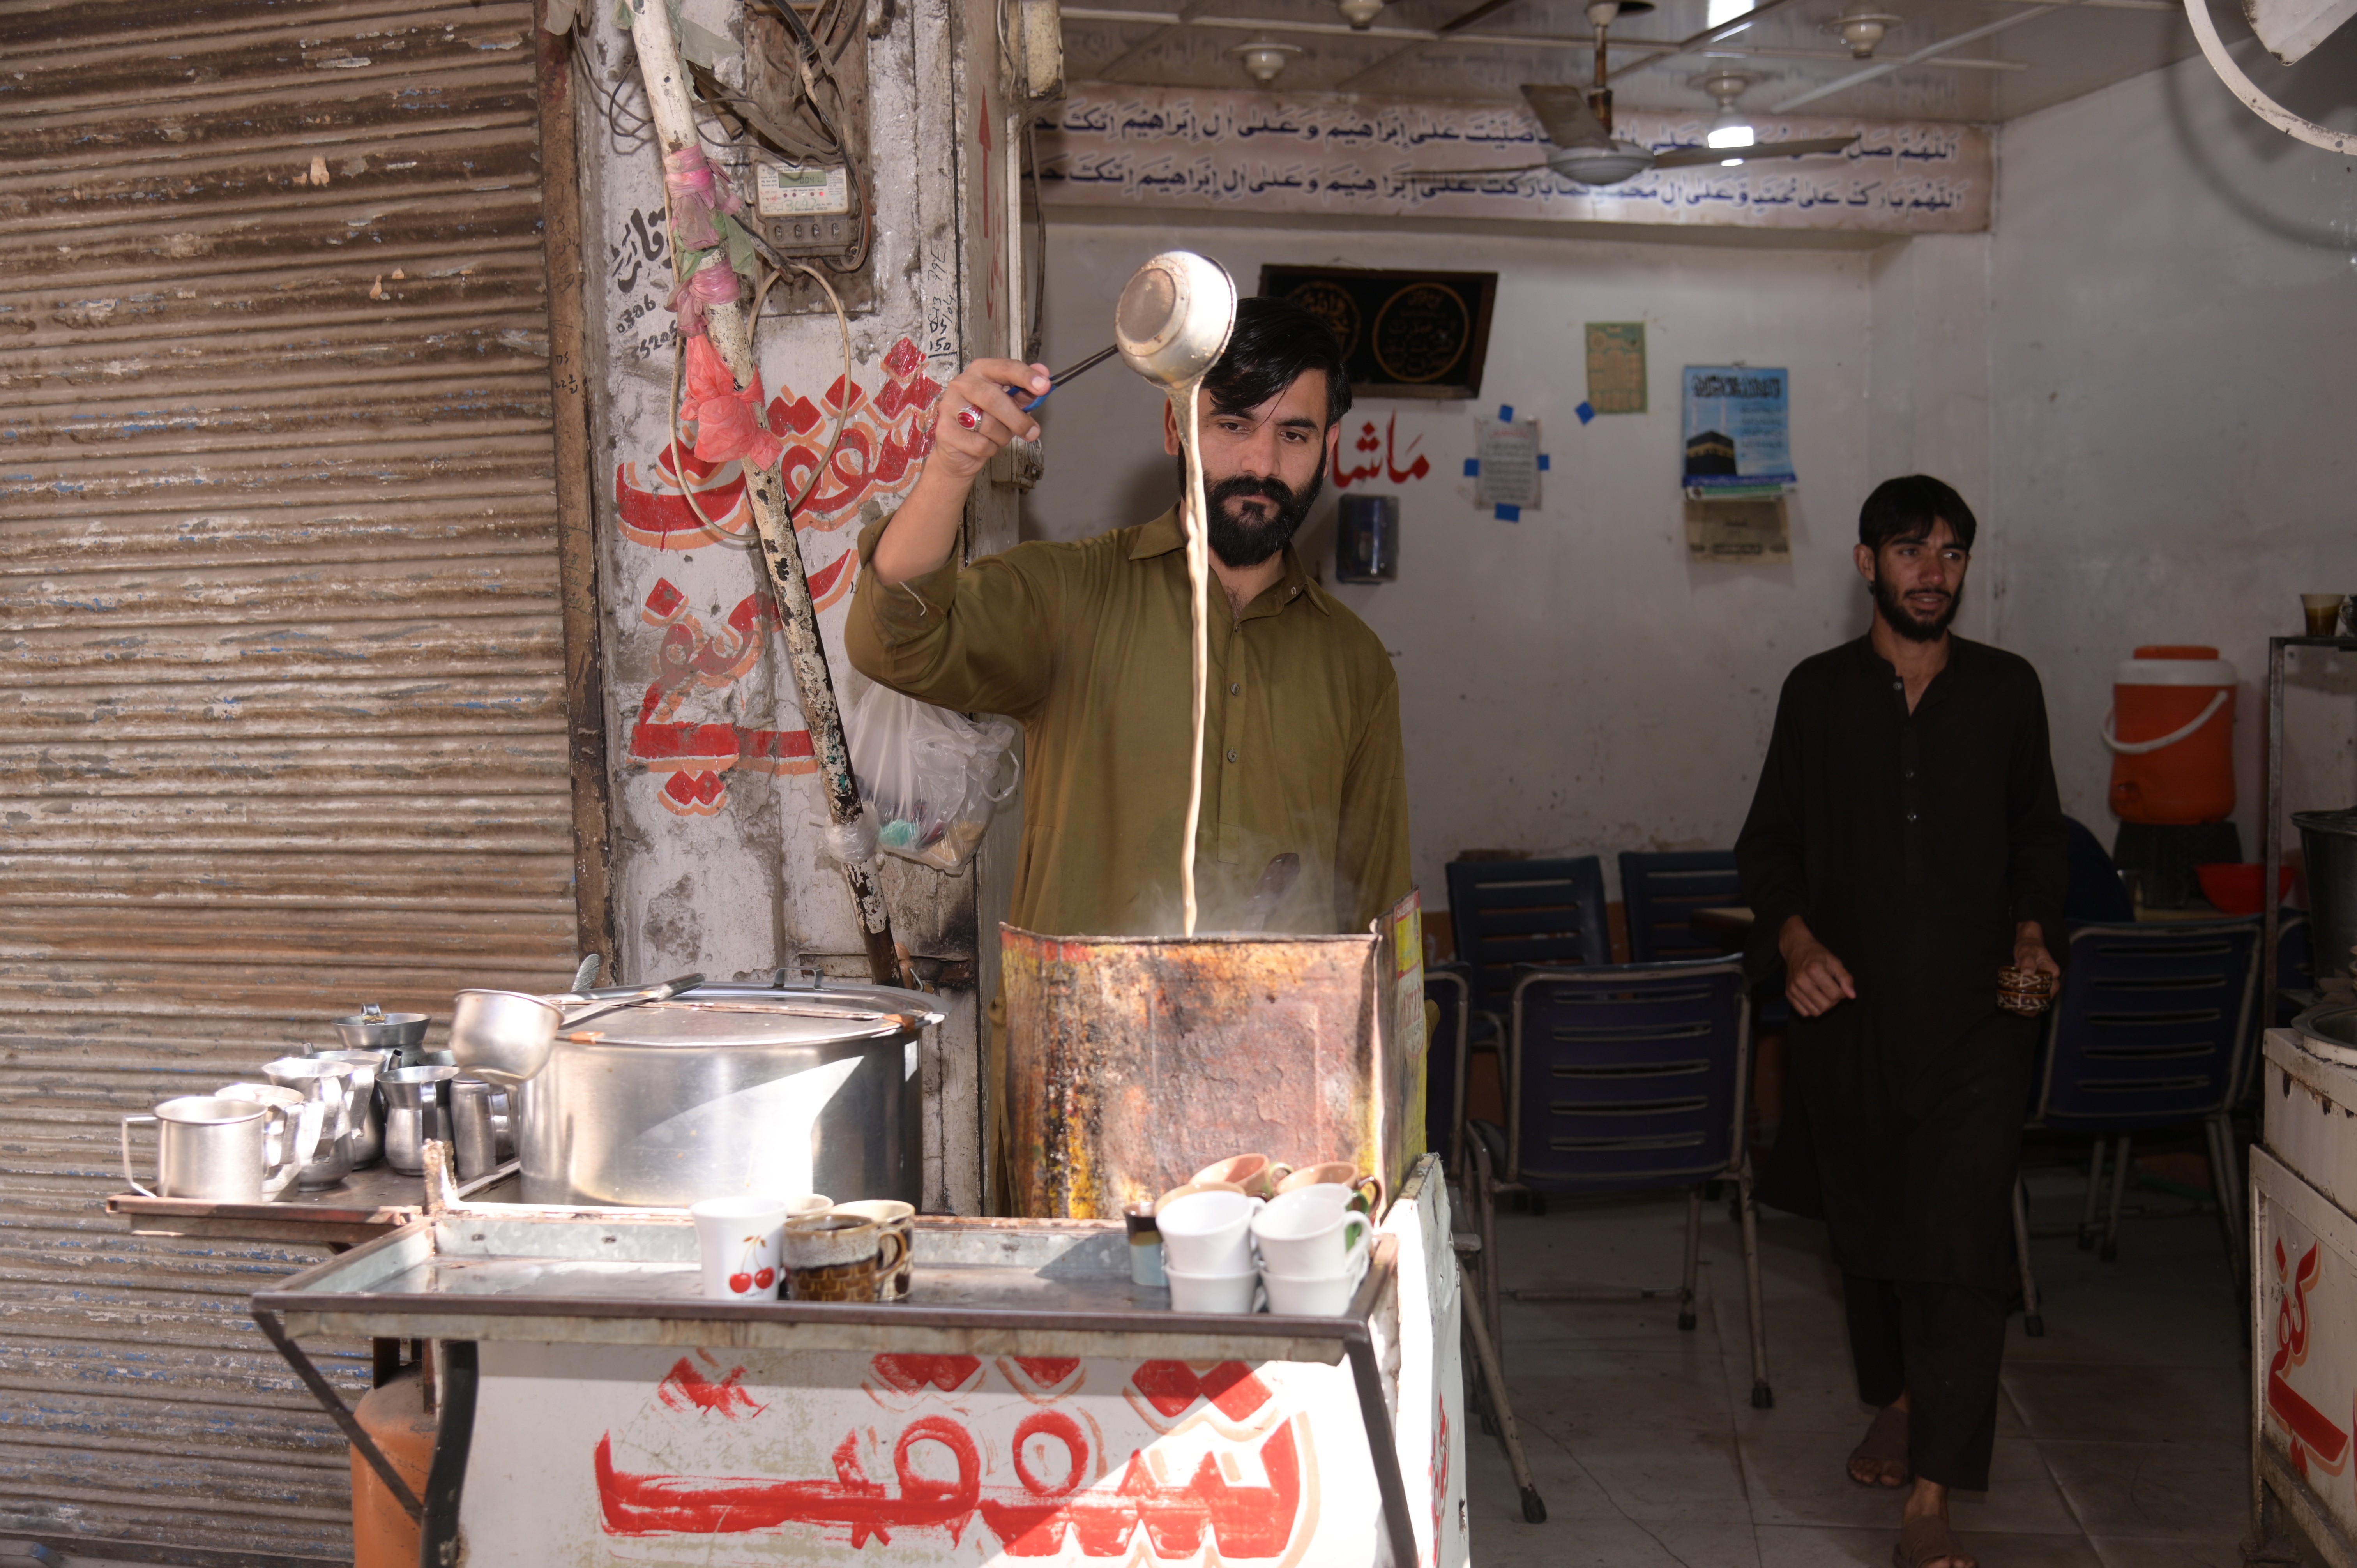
{"x": 329, "y": 1083}
{"x": 209, "y": 1147}
{"x": 303, "y": 1117}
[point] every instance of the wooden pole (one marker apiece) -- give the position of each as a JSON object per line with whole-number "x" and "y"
{"x": 731, "y": 328}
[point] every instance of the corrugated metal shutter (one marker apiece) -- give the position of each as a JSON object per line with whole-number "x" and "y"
{"x": 282, "y": 726}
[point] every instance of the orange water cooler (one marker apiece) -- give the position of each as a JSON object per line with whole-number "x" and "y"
{"x": 2171, "y": 733}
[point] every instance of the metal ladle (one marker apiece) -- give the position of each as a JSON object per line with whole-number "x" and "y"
{"x": 1171, "y": 326}
{"x": 505, "y": 1037}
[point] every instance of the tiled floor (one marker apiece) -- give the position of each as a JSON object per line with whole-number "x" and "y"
{"x": 2120, "y": 1435}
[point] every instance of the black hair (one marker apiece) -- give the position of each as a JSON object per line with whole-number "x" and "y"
{"x": 1907, "y": 508}
{"x": 1275, "y": 341}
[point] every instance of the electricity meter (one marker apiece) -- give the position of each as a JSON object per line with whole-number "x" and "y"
{"x": 804, "y": 208}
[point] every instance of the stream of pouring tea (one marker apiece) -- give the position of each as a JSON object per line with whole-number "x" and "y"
{"x": 1198, "y": 529}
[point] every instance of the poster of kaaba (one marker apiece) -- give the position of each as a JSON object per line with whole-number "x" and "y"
{"x": 1403, "y": 334}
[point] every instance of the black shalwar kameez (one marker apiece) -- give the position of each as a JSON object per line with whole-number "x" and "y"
{"x": 1911, "y": 844}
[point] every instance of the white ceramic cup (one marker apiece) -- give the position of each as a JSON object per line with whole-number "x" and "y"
{"x": 1208, "y": 1233}
{"x": 1327, "y": 1295}
{"x": 737, "y": 1241}
{"x": 1211, "y": 1293}
{"x": 1305, "y": 1235}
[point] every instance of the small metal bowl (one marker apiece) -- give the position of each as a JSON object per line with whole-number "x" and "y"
{"x": 1174, "y": 318}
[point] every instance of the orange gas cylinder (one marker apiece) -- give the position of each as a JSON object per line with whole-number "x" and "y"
{"x": 2172, "y": 736}
{"x": 397, "y": 1417}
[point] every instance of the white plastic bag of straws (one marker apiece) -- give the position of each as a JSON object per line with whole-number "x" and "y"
{"x": 930, "y": 777}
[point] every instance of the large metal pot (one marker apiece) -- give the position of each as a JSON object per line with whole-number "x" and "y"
{"x": 2328, "y": 840}
{"x": 738, "y": 1089}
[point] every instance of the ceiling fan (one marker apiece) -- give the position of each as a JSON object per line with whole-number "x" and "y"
{"x": 1579, "y": 121}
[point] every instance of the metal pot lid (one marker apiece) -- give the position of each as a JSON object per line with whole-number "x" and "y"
{"x": 721, "y": 1016}
{"x": 2330, "y": 1031}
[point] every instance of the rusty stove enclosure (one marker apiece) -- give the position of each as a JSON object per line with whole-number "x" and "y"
{"x": 1134, "y": 1062}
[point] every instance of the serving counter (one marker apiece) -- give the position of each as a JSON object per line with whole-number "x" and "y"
{"x": 1030, "y": 1400}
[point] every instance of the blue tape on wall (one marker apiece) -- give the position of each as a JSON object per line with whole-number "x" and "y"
{"x": 1505, "y": 414}
{"x": 1543, "y": 463}
{"x": 1472, "y": 467}
{"x": 1509, "y": 513}
{"x": 1585, "y": 411}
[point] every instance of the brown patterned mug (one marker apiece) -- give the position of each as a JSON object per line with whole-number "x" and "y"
{"x": 837, "y": 1257}
{"x": 896, "y": 1218}
{"x": 2028, "y": 992}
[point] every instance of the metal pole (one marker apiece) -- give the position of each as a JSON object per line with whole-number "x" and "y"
{"x": 731, "y": 327}
{"x": 2271, "y": 834}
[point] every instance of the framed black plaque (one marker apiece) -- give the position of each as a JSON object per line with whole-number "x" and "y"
{"x": 1404, "y": 334}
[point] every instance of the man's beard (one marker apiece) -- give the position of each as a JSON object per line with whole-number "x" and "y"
{"x": 1902, "y": 619}
{"x": 1236, "y": 537}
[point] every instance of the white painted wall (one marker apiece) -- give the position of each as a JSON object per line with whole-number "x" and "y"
{"x": 1571, "y": 684}
{"x": 2174, "y": 324}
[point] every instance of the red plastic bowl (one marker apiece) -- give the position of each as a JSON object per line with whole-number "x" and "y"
{"x": 2234, "y": 889}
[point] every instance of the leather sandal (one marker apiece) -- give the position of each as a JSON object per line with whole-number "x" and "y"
{"x": 1922, "y": 1541}
{"x": 1884, "y": 1445}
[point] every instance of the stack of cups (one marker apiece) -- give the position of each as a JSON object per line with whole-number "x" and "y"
{"x": 1313, "y": 1249}
{"x": 1207, "y": 1251}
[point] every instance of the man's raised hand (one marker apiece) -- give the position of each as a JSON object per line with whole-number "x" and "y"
{"x": 980, "y": 410}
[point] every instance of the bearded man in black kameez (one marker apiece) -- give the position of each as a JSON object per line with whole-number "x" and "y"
{"x": 1905, "y": 844}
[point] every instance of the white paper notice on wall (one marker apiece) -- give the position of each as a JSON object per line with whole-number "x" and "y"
{"x": 1507, "y": 465}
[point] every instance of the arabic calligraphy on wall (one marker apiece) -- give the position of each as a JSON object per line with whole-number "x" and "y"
{"x": 688, "y": 728}
{"x": 1195, "y": 148}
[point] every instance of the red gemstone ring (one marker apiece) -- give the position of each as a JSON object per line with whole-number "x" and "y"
{"x": 969, "y": 418}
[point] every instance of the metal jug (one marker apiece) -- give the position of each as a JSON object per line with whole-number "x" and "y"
{"x": 367, "y": 1120}
{"x": 413, "y": 1115}
{"x": 215, "y": 1149}
{"x": 329, "y": 1083}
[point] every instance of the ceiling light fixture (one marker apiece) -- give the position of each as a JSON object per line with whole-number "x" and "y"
{"x": 1730, "y": 127}
{"x": 1265, "y": 59}
{"x": 1360, "y": 14}
{"x": 1862, "y": 29}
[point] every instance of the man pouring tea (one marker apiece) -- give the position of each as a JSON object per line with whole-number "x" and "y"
{"x": 1088, "y": 645}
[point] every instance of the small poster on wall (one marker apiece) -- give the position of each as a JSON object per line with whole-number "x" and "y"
{"x": 1737, "y": 428}
{"x": 1506, "y": 466}
{"x": 1738, "y": 532}
{"x": 1616, "y": 367}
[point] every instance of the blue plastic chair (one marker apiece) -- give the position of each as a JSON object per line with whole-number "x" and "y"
{"x": 1510, "y": 913}
{"x": 1627, "y": 1078}
{"x": 1446, "y": 987}
{"x": 1661, "y": 891}
{"x": 2152, "y": 1032}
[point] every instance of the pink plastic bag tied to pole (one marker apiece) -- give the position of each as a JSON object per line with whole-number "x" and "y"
{"x": 728, "y": 423}
{"x": 696, "y": 193}
{"x": 714, "y": 283}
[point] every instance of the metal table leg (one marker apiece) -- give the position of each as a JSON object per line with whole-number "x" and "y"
{"x": 332, "y": 1403}
{"x": 1384, "y": 1446}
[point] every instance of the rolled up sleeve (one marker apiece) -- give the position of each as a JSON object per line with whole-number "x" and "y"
{"x": 977, "y": 639}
